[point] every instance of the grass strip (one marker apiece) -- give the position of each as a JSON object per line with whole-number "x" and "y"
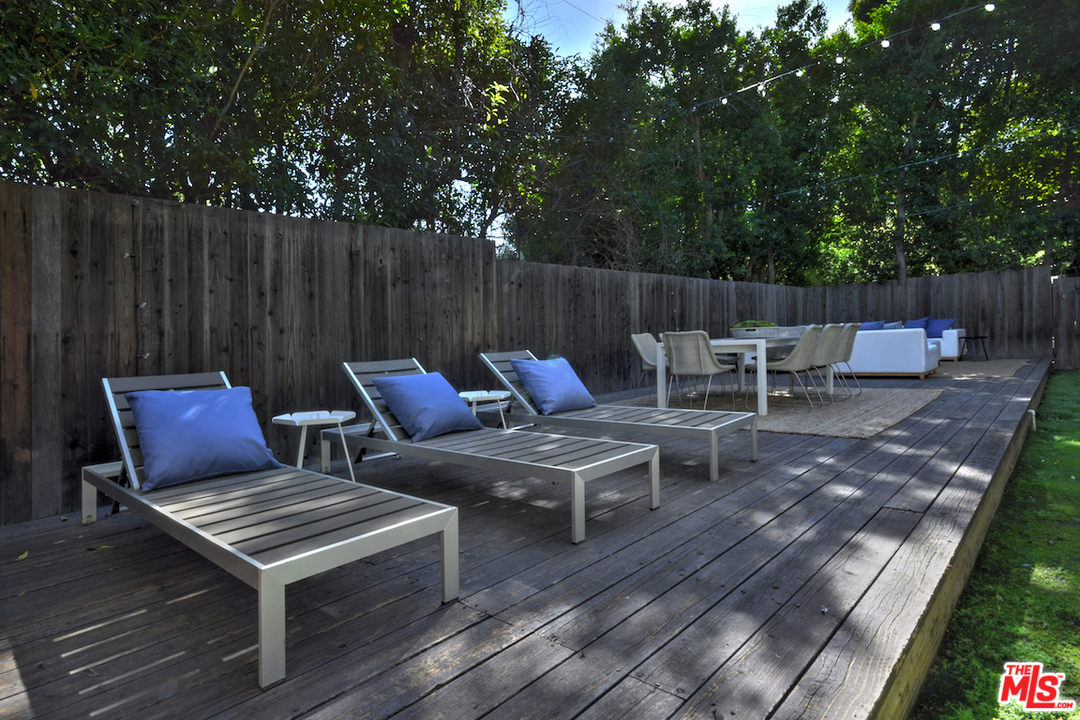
{"x": 1022, "y": 601}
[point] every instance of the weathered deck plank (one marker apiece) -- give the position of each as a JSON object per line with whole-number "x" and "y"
{"x": 710, "y": 604}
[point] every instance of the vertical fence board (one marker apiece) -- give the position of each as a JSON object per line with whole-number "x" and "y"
{"x": 16, "y": 401}
{"x": 77, "y": 385}
{"x": 46, "y": 303}
{"x": 1067, "y": 327}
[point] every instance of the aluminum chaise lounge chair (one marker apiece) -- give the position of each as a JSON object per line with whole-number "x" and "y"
{"x": 558, "y": 458}
{"x": 268, "y": 527}
{"x": 707, "y": 425}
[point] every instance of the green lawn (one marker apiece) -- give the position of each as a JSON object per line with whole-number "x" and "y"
{"x": 1022, "y": 602}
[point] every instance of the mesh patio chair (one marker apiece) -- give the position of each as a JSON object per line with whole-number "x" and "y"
{"x": 843, "y": 356}
{"x": 826, "y": 350}
{"x": 645, "y": 344}
{"x": 690, "y": 354}
{"x": 798, "y": 361}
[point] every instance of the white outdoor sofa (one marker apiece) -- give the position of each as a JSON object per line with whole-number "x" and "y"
{"x": 894, "y": 352}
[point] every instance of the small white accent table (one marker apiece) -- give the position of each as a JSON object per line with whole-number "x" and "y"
{"x": 317, "y": 418}
{"x": 481, "y": 396}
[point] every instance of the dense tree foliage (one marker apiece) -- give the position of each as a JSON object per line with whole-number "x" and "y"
{"x": 922, "y": 138}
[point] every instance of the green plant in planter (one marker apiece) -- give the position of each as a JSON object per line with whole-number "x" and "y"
{"x": 754, "y": 324}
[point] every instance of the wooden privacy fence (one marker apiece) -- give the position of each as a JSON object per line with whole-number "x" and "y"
{"x": 95, "y": 285}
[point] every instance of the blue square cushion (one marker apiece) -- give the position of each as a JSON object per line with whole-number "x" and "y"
{"x": 873, "y": 325}
{"x": 916, "y": 324}
{"x": 426, "y": 405}
{"x": 934, "y": 328}
{"x": 553, "y": 385}
{"x": 196, "y": 434}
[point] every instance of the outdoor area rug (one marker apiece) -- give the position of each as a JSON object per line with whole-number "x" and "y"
{"x": 859, "y": 417}
{"x": 979, "y": 368}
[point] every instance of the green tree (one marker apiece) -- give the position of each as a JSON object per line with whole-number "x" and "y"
{"x": 384, "y": 113}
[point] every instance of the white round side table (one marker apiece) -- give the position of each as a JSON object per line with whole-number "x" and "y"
{"x": 484, "y": 396}
{"x": 317, "y": 418}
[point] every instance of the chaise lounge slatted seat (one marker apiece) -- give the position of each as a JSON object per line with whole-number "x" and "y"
{"x": 267, "y": 527}
{"x": 702, "y": 424}
{"x": 569, "y": 460}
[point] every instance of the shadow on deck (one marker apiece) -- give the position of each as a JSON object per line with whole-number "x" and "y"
{"x": 814, "y": 583}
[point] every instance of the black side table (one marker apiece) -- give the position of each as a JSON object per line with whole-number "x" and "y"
{"x": 972, "y": 339}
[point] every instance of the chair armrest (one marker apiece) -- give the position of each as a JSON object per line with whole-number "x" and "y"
{"x": 951, "y": 341}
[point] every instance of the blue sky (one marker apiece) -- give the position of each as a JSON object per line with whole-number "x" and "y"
{"x": 571, "y": 26}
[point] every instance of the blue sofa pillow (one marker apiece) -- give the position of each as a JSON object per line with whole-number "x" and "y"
{"x": 426, "y": 405}
{"x": 196, "y": 434}
{"x": 873, "y": 325}
{"x": 935, "y": 328}
{"x": 917, "y": 324}
{"x": 553, "y": 385}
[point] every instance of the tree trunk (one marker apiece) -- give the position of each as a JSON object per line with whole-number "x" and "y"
{"x": 695, "y": 130}
{"x": 898, "y": 234}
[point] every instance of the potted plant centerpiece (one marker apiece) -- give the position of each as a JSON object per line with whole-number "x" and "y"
{"x": 754, "y": 329}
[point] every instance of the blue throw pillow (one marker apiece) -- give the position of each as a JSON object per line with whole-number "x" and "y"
{"x": 553, "y": 385}
{"x": 196, "y": 434}
{"x": 874, "y": 325}
{"x": 935, "y": 328}
{"x": 426, "y": 405}
{"x": 917, "y": 324}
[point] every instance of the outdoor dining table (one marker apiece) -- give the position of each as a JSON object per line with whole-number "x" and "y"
{"x": 742, "y": 347}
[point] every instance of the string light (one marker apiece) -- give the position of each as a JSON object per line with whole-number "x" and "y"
{"x": 840, "y": 59}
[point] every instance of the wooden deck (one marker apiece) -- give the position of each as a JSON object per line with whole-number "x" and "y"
{"x": 815, "y": 583}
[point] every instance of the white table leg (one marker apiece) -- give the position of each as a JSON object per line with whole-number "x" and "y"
{"x": 762, "y": 381}
{"x": 345, "y": 447}
{"x": 300, "y": 451}
{"x": 661, "y": 379}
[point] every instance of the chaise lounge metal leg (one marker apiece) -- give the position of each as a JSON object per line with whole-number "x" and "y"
{"x": 753, "y": 440}
{"x": 271, "y": 630}
{"x": 654, "y": 481}
{"x": 577, "y": 509}
{"x": 449, "y": 542}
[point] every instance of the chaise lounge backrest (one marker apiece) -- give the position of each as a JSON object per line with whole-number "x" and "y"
{"x": 124, "y": 420}
{"x": 504, "y": 370}
{"x": 363, "y": 374}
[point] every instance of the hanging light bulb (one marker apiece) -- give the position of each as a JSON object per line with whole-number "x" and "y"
{"x": 935, "y": 26}
{"x": 990, "y": 7}
{"x": 839, "y": 59}
{"x": 800, "y": 72}
{"x": 723, "y": 101}
{"x": 885, "y": 43}
{"x": 761, "y": 88}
